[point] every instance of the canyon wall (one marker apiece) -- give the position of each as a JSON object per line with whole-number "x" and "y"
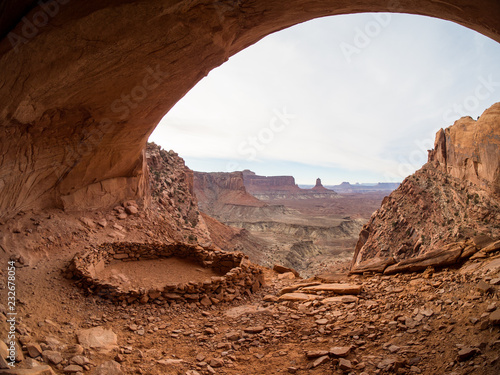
{"x": 215, "y": 190}
{"x": 269, "y": 188}
{"x": 446, "y": 211}
{"x": 84, "y": 83}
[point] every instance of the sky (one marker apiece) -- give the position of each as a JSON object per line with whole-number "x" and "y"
{"x": 355, "y": 98}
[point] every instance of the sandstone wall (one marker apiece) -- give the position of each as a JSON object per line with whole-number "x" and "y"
{"x": 445, "y": 212}
{"x": 470, "y": 150}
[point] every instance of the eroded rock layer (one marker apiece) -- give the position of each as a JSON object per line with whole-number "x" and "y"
{"x": 282, "y": 187}
{"x": 445, "y": 212}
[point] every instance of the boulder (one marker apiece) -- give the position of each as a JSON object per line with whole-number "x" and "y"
{"x": 282, "y": 269}
{"x": 98, "y": 338}
{"x": 438, "y": 258}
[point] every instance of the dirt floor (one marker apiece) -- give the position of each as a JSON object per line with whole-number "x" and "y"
{"x": 155, "y": 272}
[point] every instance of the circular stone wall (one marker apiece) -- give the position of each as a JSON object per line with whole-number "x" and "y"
{"x": 239, "y": 276}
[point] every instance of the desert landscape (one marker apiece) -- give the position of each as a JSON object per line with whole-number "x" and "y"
{"x": 117, "y": 258}
{"x": 308, "y": 230}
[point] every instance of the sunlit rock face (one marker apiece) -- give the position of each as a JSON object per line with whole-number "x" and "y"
{"x": 446, "y": 211}
{"x": 84, "y": 83}
{"x": 470, "y": 150}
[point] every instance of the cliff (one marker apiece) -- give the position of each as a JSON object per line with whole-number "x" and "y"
{"x": 282, "y": 187}
{"x": 445, "y": 212}
{"x": 215, "y": 190}
{"x": 470, "y": 150}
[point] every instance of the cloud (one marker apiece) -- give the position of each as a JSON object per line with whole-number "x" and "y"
{"x": 366, "y": 114}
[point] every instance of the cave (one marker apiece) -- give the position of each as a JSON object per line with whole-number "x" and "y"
{"x": 85, "y": 83}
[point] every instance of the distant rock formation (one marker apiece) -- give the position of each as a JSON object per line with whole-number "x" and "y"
{"x": 445, "y": 212}
{"x": 282, "y": 187}
{"x": 346, "y": 187}
{"x": 319, "y": 187}
{"x": 220, "y": 188}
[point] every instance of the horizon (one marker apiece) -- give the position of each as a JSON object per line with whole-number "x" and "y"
{"x": 314, "y": 101}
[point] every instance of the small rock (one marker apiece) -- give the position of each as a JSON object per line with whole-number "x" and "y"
{"x": 270, "y": 298}
{"x": 320, "y": 361}
{"x": 31, "y": 363}
{"x": 297, "y": 297}
{"x": 34, "y": 350}
{"x": 393, "y": 348}
{"x": 281, "y": 269}
{"x": 52, "y": 356}
{"x": 103, "y": 223}
{"x": 494, "y": 317}
{"x": 108, "y": 368}
{"x": 286, "y": 276}
{"x": 345, "y": 364}
{"x": 216, "y": 362}
{"x": 131, "y": 210}
{"x": 483, "y": 287}
{"x": 316, "y": 353}
{"x": 233, "y": 336}
{"x": 466, "y": 353}
{"x": 80, "y": 360}
{"x": 322, "y": 322}
{"x": 88, "y": 222}
{"x": 256, "y": 329}
{"x": 71, "y": 369}
{"x": 491, "y": 307}
{"x": 340, "y": 351}
{"x": 70, "y": 351}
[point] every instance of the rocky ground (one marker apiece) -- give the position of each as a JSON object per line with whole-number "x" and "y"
{"x": 436, "y": 322}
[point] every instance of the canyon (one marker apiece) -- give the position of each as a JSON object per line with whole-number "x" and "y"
{"x": 307, "y": 230}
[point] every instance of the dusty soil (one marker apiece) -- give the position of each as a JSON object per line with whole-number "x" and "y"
{"x": 155, "y": 272}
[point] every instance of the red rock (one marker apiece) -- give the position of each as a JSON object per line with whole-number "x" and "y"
{"x": 336, "y": 288}
{"x": 297, "y": 297}
{"x": 282, "y": 269}
{"x": 256, "y": 329}
{"x": 417, "y": 225}
{"x": 340, "y": 351}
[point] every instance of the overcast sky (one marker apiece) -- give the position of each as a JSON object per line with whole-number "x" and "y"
{"x": 354, "y": 98}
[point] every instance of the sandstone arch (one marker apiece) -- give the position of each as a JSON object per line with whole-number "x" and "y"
{"x": 86, "y": 82}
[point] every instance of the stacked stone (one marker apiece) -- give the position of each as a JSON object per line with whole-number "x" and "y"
{"x": 240, "y": 276}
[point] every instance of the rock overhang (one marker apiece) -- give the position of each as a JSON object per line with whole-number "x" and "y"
{"x": 81, "y": 94}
